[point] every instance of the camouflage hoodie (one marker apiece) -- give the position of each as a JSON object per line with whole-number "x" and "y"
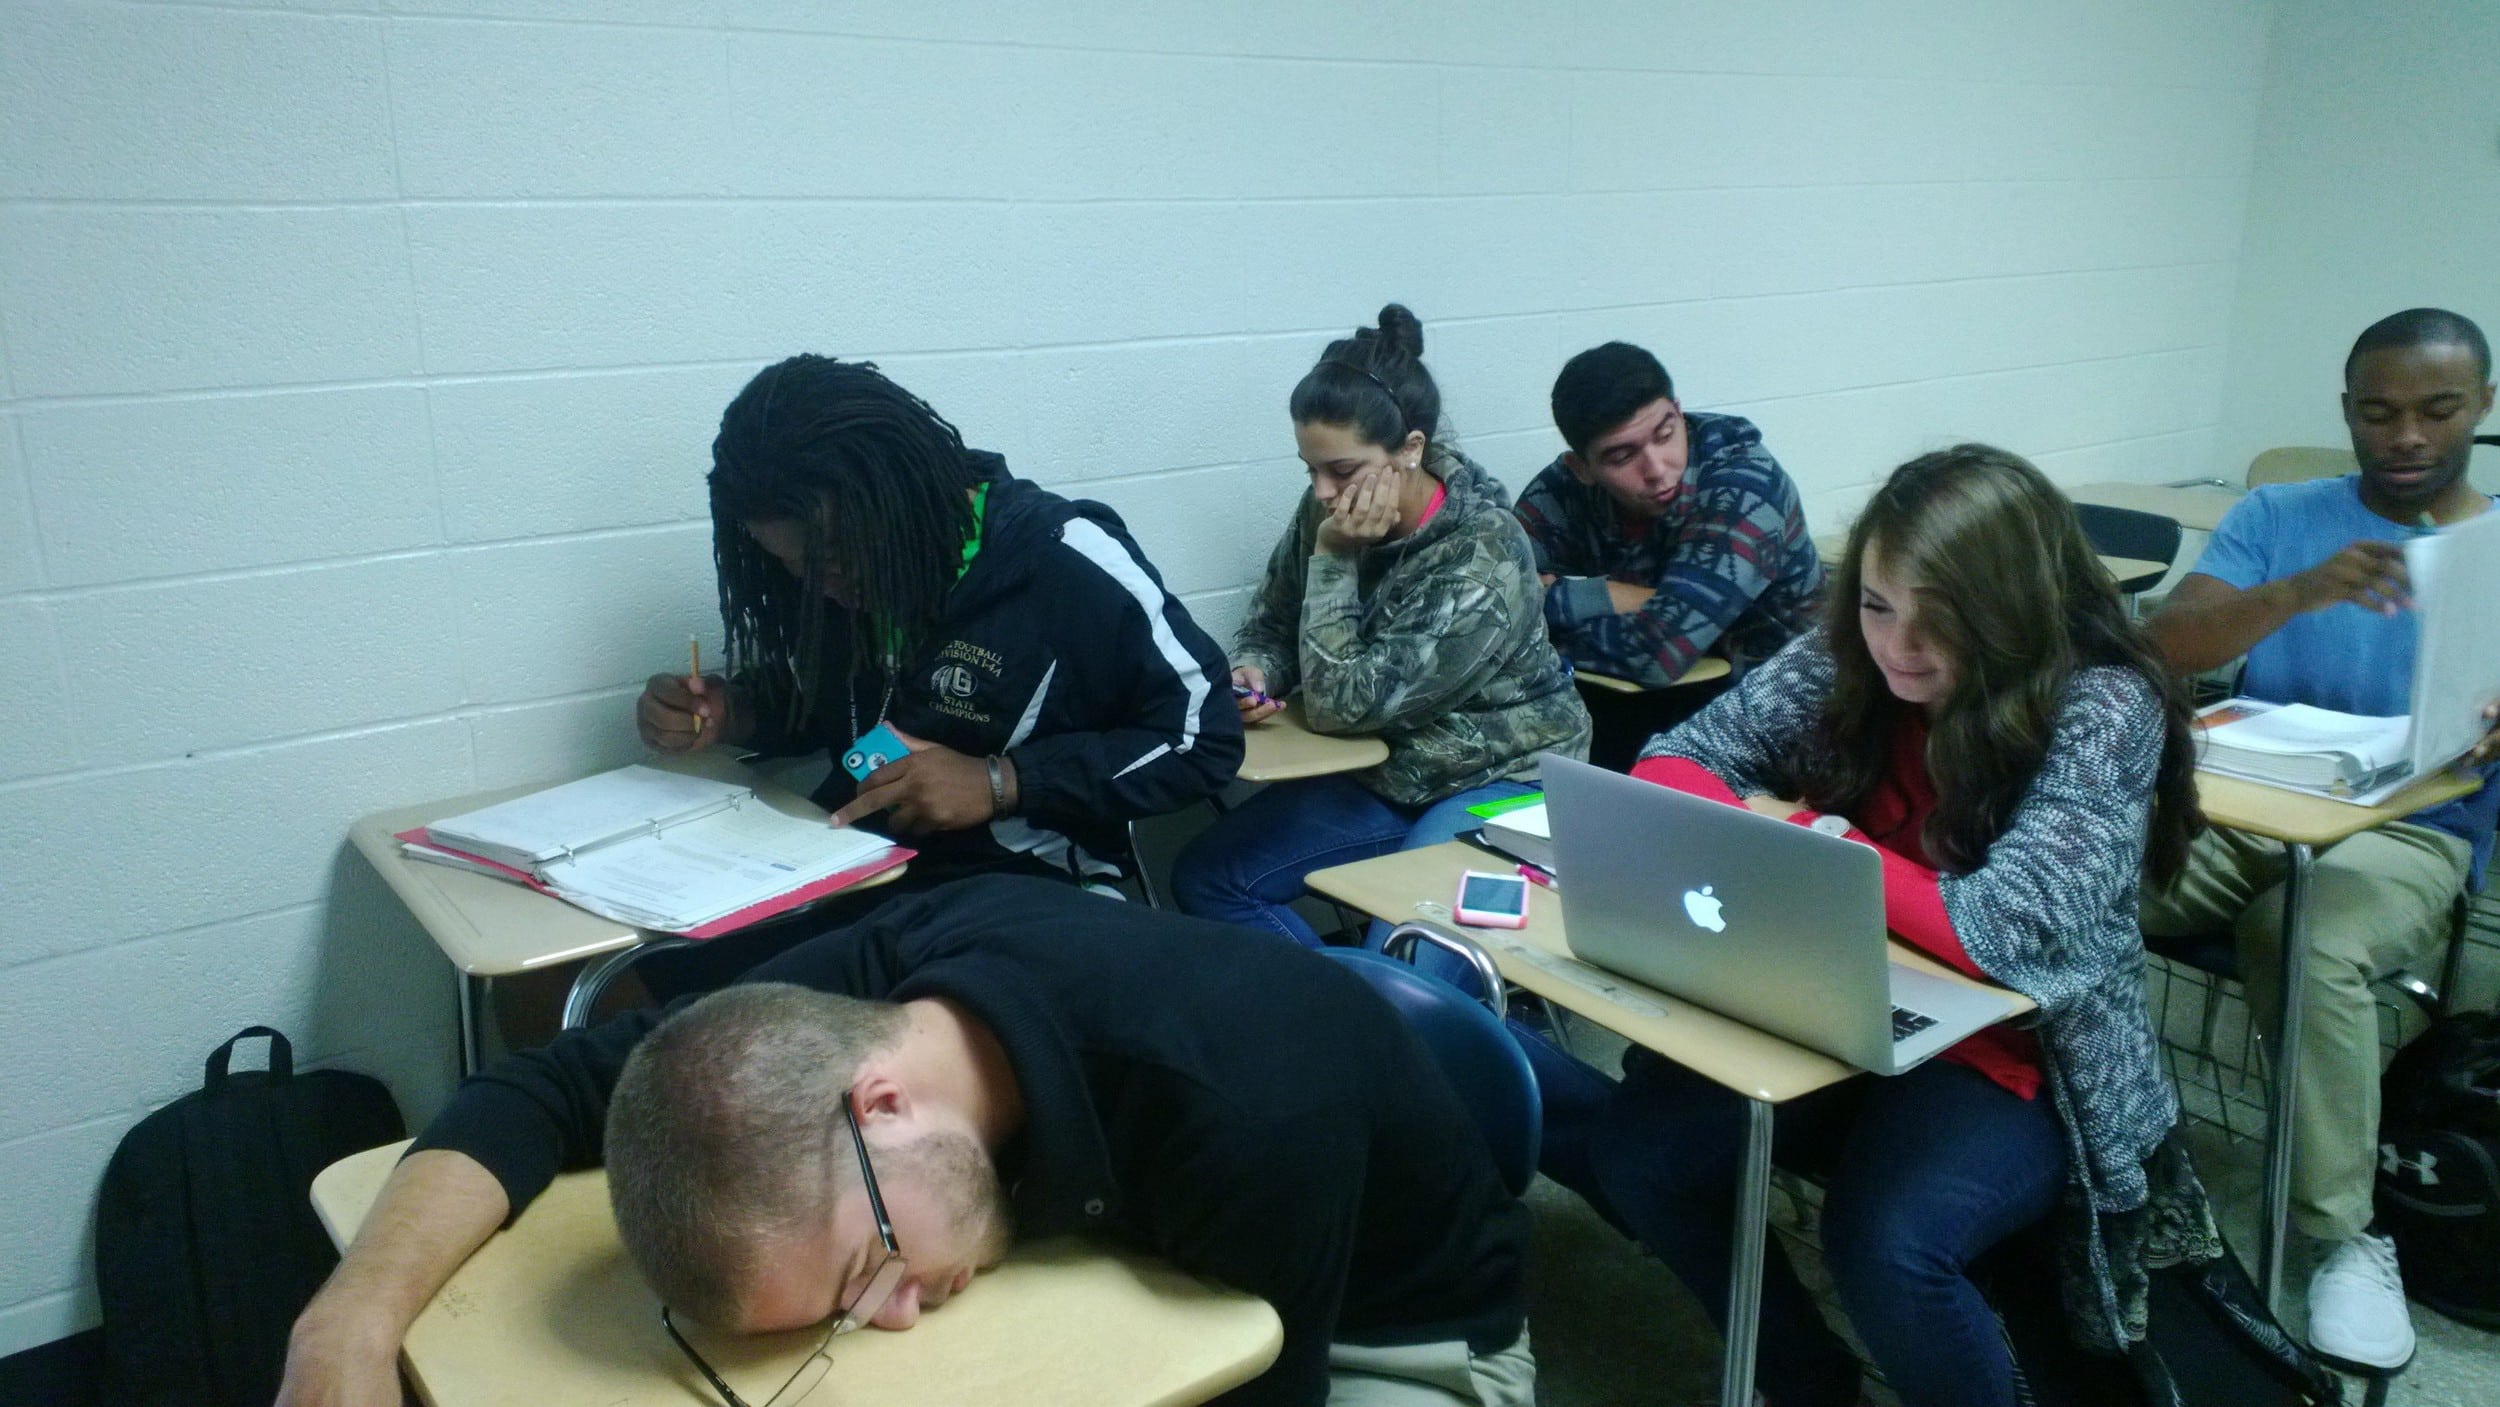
{"x": 1435, "y": 642}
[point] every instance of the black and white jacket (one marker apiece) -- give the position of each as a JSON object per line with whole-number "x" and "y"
{"x": 1062, "y": 651}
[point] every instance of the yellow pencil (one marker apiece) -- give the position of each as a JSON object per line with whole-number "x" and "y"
{"x": 694, "y": 678}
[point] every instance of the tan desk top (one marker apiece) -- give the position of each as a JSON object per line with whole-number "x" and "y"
{"x": 1702, "y": 671}
{"x": 1284, "y": 748}
{"x": 550, "y": 1310}
{"x": 2297, "y": 818}
{"x": 1398, "y": 887}
{"x": 491, "y": 927}
{"x": 1831, "y": 545}
{"x": 2198, "y": 508}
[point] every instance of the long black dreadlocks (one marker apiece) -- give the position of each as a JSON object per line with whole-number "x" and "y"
{"x": 879, "y": 483}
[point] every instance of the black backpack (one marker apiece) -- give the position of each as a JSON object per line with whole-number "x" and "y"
{"x": 2211, "y": 1342}
{"x": 206, "y": 1243}
{"x": 2439, "y": 1166}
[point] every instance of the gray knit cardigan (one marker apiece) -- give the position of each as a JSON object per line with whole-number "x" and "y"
{"x": 2052, "y": 912}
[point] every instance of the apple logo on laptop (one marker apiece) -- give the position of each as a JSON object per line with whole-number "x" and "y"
{"x": 1703, "y": 910}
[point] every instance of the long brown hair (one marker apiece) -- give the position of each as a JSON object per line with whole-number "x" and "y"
{"x": 2012, "y": 592}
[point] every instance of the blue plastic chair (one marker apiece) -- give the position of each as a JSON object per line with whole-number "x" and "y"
{"x": 1475, "y": 1051}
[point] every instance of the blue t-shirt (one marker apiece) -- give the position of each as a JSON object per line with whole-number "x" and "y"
{"x": 2345, "y": 657}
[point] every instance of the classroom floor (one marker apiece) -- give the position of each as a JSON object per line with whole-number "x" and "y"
{"x": 1612, "y": 1328}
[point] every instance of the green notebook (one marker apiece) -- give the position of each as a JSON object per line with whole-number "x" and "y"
{"x": 1490, "y": 809}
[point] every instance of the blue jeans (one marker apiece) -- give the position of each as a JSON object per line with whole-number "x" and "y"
{"x": 1248, "y": 867}
{"x": 1927, "y": 1171}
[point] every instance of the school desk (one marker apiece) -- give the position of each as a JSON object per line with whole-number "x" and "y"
{"x": 1701, "y": 671}
{"x": 492, "y": 928}
{"x": 1283, "y": 748}
{"x": 1830, "y": 545}
{"x": 550, "y": 1310}
{"x": 2305, "y": 825}
{"x": 1767, "y": 1070}
{"x": 2198, "y": 508}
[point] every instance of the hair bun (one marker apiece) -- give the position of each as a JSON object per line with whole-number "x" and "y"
{"x": 1402, "y": 331}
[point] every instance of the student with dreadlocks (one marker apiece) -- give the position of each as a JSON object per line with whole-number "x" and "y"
{"x": 1402, "y": 601}
{"x": 874, "y": 570}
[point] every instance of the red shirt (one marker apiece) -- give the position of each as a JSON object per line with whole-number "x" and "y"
{"x": 1913, "y": 904}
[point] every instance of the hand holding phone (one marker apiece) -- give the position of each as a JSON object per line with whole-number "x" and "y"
{"x": 1251, "y": 697}
{"x": 1491, "y": 900}
{"x": 874, "y": 749}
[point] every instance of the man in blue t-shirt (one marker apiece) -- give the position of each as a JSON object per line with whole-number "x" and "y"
{"x": 2308, "y": 581}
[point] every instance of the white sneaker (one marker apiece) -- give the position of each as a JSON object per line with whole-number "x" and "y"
{"x": 2357, "y": 1311}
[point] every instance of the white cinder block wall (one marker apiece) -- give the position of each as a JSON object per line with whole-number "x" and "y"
{"x": 361, "y": 361}
{"x": 2376, "y": 188}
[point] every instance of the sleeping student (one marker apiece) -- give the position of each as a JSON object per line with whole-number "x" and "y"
{"x": 1978, "y": 706}
{"x": 1402, "y": 601}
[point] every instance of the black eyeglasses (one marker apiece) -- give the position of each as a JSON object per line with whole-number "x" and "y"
{"x": 862, "y": 1308}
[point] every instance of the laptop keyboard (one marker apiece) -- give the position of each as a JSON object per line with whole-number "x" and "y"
{"x": 1907, "y": 1023}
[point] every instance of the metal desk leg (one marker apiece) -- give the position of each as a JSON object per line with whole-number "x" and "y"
{"x": 1744, "y": 1280}
{"x": 593, "y": 980}
{"x": 475, "y": 994}
{"x": 2276, "y": 1232}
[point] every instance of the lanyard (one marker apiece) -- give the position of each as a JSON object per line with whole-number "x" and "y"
{"x": 893, "y": 636}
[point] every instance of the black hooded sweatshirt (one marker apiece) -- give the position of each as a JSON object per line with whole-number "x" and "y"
{"x": 1062, "y": 651}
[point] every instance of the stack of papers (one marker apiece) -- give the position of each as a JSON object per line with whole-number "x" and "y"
{"x": 2343, "y": 755}
{"x": 661, "y": 851}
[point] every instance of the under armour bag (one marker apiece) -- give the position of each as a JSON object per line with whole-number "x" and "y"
{"x": 206, "y": 1243}
{"x": 2439, "y": 1167}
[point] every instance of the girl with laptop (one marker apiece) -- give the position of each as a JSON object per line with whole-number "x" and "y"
{"x": 1978, "y": 706}
{"x": 1402, "y": 601}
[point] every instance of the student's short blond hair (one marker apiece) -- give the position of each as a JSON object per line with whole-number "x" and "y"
{"x": 724, "y": 1135}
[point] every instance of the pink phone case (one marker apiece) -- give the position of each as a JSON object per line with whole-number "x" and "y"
{"x": 1479, "y": 918}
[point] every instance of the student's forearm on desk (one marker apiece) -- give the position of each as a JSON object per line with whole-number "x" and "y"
{"x": 435, "y": 1211}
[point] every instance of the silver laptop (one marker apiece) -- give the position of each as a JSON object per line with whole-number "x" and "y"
{"x": 1776, "y": 925}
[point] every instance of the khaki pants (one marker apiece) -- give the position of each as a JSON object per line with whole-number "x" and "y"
{"x": 1431, "y": 1375}
{"x": 2377, "y": 901}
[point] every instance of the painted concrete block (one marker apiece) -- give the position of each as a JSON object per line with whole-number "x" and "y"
{"x": 517, "y": 110}
{"x": 558, "y": 454}
{"x": 35, "y": 688}
{"x": 573, "y": 615}
{"x": 838, "y": 117}
{"x": 20, "y": 568}
{"x": 532, "y": 287}
{"x": 1516, "y": 456}
{"x": 198, "y": 988}
{"x": 562, "y": 738}
{"x": 167, "y": 669}
{"x": 1152, "y": 127}
{"x": 1160, "y": 26}
{"x": 193, "y": 842}
{"x": 113, "y": 102}
{"x": 124, "y": 299}
{"x": 1105, "y": 412}
{"x": 46, "y": 1237}
{"x": 1496, "y": 374}
{"x": 159, "y": 488}
{"x": 1219, "y": 613}
{"x": 680, "y": 14}
{"x": 898, "y": 277}
{"x": 1504, "y": 131}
